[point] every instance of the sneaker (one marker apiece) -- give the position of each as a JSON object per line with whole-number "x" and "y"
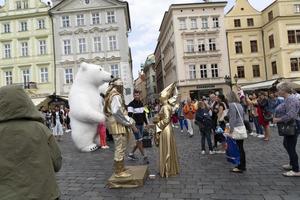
{"x": 146, "y": 161}
{"x": 251, "y": 134}
{"x": 105, "y": 147}
{"x": 132, "y": 157}
{"x": 212, "y": 152}
{"x": 260, "y": 136}
{"x": 287, "y": 167}
{"x": 191, "y": 136}
{"x": 181, "y": 131}
{"x": 202, "y": 152}
{"x": 254, "y": 134}
{"x": 221, "y": 152}
{"x": 291, "y": 174}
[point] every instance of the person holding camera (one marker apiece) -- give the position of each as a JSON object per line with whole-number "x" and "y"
{"x": 189, "y": 112}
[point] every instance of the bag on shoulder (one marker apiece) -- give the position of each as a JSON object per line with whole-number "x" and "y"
{"x": 239, "y": 132}
{"x": 287, "y": 128}
{"x": 267, "y": 116}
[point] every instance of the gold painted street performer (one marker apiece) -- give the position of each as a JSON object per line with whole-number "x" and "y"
{"x": 119, "y": 124}
{"x": 168, "y": 159}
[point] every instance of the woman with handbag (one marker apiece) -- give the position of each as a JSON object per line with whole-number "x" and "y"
{"x": 264, "y": 117}
{"x": 237, "y": 128}
{"x": 286, "y": 117}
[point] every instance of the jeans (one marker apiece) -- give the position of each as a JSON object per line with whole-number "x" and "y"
{"x": 290, "y": 143}
{"x": 242, "y": 165}
{"x": 206, "y": 134}
{"x": 139, "y": 135}
{"x": 183, "y": 122}
{"x": 258, "y": 127}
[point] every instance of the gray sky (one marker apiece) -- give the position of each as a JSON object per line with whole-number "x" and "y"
{"x": 146, "y": 16}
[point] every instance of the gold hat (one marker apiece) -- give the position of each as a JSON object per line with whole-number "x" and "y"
{"x": 167, "y": 92}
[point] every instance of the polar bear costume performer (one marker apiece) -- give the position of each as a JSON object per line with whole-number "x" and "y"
{"x": 85, "y": 112}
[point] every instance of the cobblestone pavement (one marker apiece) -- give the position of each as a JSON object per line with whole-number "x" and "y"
{"x": 84, "y": 175}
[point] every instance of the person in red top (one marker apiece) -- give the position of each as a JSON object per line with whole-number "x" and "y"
{"x": 189, "y": 113}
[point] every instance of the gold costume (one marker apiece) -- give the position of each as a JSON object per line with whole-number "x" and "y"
{"x": 118, "y": 124}
{"x": 168, "y": 158}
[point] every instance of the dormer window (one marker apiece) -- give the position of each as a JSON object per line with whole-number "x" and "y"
{"x": 18, "y": 5}
{"x": 87, "y": 1}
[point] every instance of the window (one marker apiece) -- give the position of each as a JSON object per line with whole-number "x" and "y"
{"x": 95, "y": 18}
{"x": 201, "y": 45}
{"x": 18, "y": 5}
{"x": 42, "y": 47}
{"x": 44, "y": 75}
{"x": 241, "y": 72}
{"x": 26, "y": 77}
{"x": 153, "y": 79}
{"x": 82, "y": 45}
{"x": 68, "y": 75}
{"x": 250, "y": 22}
{"x": 203, "y": 71}
{"x": 190, "y": 46}
{"x": 297, "y": 8}
{"x": 65, "y": 21}
{"x": 216, "y": 22}
{"x": 214, "y": 71}
{"x": 192, "y": 71}
{"x": 182, "y": 24}
{"x": 8, "y": 77}
{"x": 238, "y": 47}
{"x": 80, "y": 20}
{"x": 25, "y": 4}
{"x": 253, "y": 44}
{"x": 293, "y": 36}
{"x": 23, "y": 26}
{"x": 193, "y": 23}
{"x": 237, "y": 23}
{"x": 111, "y": 18}
{"x": 274, "y": 67}
{"x": 256, "y": 71}
{"x": 212, "y": 44}
{"x": 115, "y": 70}
{"x": 7, "y": 51}
{"x": 295, "y": 64}
{"x": 97, "y": 44}
{"x": 67, "y": 47}
{"x": 6, "y": 28}
{"x": 271, "y": 41}
{"x": 87, "y": 1}
{"x": 24, "y": 48}
{"x": 270, "y": 15}
{"x": 41, "y": 24}
{"x": 204, "y": 23}
{"x": 112, "y": 41}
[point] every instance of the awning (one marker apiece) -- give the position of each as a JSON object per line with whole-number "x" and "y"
{"x": 296, "y": 84}
{"x": 261, "y": 85}
{"x": 37, "y": 101}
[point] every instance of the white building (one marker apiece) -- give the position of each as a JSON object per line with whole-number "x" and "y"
{"x": 93, "y": 31}
{"x": 193, "y": 50}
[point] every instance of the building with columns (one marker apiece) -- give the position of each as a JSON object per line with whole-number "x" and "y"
{"x": 192, "y": 48}
{"x": 264, "y": 45}
{"x": 27, "y": 57}
{"x": 92, "y": 31}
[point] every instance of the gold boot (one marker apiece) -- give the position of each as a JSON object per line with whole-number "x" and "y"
{"x": 120, "y": 170}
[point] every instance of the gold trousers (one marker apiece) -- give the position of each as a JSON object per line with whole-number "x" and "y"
{"x": 120, "y": 141}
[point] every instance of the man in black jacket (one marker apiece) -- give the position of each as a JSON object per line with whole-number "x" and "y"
{"x": 137, "y": 112}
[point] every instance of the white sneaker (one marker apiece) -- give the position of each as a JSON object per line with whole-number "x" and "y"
{"x": 105, "y": 147}
{"x": 260, "y": 136}
{"x": 254, "y": 134}
{"x": 211, "y": 152}
{"x": 202, "y": 152}
{"x": 251, "y": 133}
{"x": 181, "y": 131}
{"x": 221, "y": 152}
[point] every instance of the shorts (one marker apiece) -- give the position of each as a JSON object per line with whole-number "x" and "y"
{"x": 139, "y": 135}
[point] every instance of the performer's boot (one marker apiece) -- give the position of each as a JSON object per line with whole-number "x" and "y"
{"x": 120, "y": 170}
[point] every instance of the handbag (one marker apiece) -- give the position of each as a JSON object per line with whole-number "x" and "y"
{"x": 286, "y": 128}
{"x": 239, "y": 132}
{"x": 267, "y": 116}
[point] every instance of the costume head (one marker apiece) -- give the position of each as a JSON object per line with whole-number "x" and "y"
{"x": 117, "y": 83}
{"x": 169, "y": 94}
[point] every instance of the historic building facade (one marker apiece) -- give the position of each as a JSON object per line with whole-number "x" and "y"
{"x": 26, "y": 47}
{"x": 264, "y": 45}
{"x": 192, "y": 47}
{"x": 150, "y": 79}
{"x": 95, "y": 32}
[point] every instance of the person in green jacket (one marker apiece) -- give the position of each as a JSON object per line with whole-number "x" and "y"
{"x": 29, "y": 154}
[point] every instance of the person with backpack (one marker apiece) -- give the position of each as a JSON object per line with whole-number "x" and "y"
{"x": 204, "y": 121}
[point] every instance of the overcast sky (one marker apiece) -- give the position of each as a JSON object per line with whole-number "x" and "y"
{"x": 146, "y": 17}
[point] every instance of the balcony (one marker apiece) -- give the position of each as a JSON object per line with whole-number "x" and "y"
{"x": 202, "y": 54}
{"x": 28, "y": 86}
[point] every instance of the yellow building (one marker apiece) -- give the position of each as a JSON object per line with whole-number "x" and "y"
{"x": 264, "y": 45}
{"x": 26, "y": 46}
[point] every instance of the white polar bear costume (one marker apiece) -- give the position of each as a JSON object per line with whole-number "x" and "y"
{"x": 84, "y": 101}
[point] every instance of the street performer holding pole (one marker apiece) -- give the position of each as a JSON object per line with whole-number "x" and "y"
{"x": 119, "y": 124}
